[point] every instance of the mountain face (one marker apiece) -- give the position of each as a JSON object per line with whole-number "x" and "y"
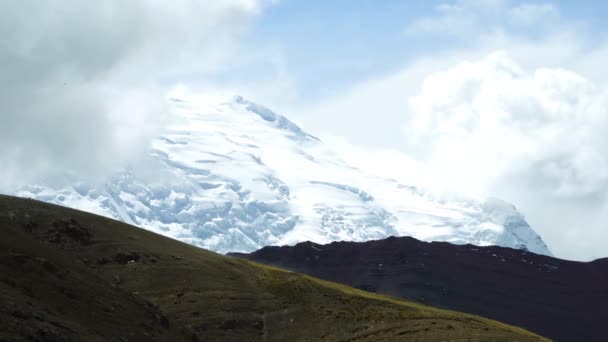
{"x": 234, "y": 176}
{"x": 560, "y": 299}
{"x": 67, "y": 275}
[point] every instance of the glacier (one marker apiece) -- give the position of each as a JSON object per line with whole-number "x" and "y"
{"x": 230, "y": 175}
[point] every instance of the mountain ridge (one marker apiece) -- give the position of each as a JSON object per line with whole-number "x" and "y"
{"x": 561, "y": 299}
{"x": 233, "y": 176}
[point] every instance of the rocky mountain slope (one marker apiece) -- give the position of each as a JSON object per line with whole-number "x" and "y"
{"x": 560, "y": 299}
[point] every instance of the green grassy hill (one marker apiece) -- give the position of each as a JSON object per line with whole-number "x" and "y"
{"x": 67, "y": 275}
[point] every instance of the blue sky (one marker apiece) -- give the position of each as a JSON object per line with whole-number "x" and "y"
{"x": 341, "y": 41}
{"x": 325, "y": 46}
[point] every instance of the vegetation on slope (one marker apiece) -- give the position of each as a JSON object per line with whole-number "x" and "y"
{"x": 560, "y": 299}
{"x": 67, "y": 275}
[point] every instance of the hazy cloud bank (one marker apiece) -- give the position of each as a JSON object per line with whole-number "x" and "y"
{"x": 81, "y": 81}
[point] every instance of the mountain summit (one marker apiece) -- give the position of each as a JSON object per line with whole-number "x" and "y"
{"x": 232, "y": 176}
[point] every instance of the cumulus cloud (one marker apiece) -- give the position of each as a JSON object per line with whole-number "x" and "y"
{"x": 82, "y": 81}
{"x": 492, "y": 124}
{"x": 490, "y": 118}
{"x": 533, "y": 136}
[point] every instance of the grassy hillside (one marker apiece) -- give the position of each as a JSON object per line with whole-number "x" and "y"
{"x": 535, "y": 292}
{"x": 67, "y": 275}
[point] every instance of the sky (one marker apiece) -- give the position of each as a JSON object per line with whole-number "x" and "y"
{"x": 485, "y": 97}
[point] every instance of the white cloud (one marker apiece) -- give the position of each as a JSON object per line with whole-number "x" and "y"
{"x": 471, "y": 17}
{"x": 80, "y": 79}
{"x": 514, "y": 125}
{"x": 453, "y": 23}
{"x": 489, "y": 118}
{"x": 449, "y": 18}
{"x": 528, "y": 13}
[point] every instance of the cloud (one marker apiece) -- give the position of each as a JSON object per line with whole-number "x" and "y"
{"x": 483, "y": 118}
{"x": 466, "y": 17}
{"x": 449, "y": 18}
{"x": 509, "y": 123}
{"x": 82, "y": 82}
{"x": 463, "y": 5}
{"x": 528, "y": 13}
{"x": 490, "y": 118}
{"x": 512, "y": 104}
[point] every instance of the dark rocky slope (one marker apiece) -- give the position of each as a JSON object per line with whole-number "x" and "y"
{"x": 564, "y": 300}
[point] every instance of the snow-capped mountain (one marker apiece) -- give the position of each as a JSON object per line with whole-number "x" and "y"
{"x": 232, "y": 176}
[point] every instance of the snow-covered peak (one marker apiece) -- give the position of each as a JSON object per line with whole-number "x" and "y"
{"x": 270, "y": 116}
{"x": 230, "y": 175}
{"x": 499, "y": 209}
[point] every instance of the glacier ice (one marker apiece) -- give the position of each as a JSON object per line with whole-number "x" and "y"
{"x": 230, "y": 175}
